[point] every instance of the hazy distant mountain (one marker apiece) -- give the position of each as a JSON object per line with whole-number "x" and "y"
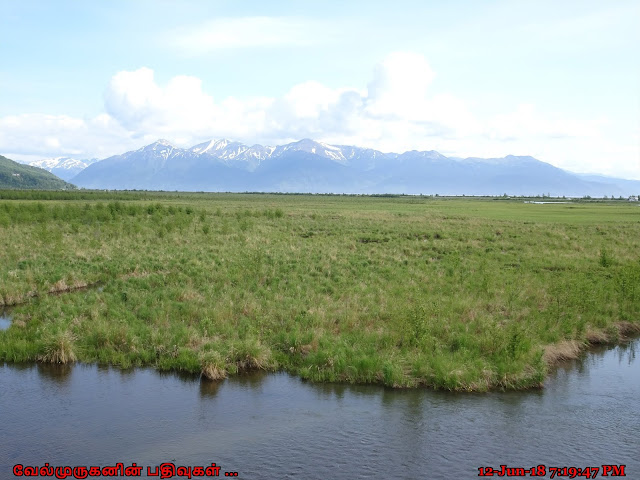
{"x": 17, "y": 175}
{"x": 613, "y": 186}
{"x": 63, "y": 167}
{"x": 315, "y": 167}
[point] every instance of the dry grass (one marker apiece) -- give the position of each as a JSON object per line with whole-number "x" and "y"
{"x": 213, "y": 366}
{"x": 13, "y": 300}
{"x": 190, "y": 295}
{"x": 135, "y": 274}
{"x": 213, "y": 372}
{"x": 620, "y": 331}
{"x": 566, "y": 350}
{"x": 59, "y": 286}
{"x": 626, "y": 328}
{"x": 19, "y": 323}
{"x": 250, "y": 362}
{"x": 597, "y": 337}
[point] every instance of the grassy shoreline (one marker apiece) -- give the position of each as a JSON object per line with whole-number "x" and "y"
{"x": 457, "y": 294}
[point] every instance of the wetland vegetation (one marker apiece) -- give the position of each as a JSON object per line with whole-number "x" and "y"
{"x": 457, "y": 294}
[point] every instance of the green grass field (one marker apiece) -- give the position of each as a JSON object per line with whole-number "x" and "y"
{"x": 459, "y": 294}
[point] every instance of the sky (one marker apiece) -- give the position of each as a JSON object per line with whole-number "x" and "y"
{"x": 559, "y": 81}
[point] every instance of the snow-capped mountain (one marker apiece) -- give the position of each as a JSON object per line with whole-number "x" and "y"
{"x": 234, "y": 154}
{"x": 315, "y": 167}
{"x": 63, "y": 167}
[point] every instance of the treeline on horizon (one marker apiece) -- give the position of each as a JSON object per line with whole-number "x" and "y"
{"x": 84, "y": 194}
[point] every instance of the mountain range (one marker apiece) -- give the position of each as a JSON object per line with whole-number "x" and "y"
{"x": 307, "y": 166}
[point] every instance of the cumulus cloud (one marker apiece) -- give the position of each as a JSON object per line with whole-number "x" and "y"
{"x": 180, "y": 109}
{"x": 396, "y": 111}
{"x": 34, "y": 136}
{"x": 400, "y": 87}
{"x": 136, "y": 101}
{"x": 54, "y": 132}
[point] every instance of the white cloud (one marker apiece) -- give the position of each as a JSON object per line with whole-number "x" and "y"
{"x": 249, "y": 32}
{"x": 38, "y": 135}
{"x": 400, "y": 87}
{"x": 140, "y": 104}
{"x": 309, "y": 99}
{"x": 526, "y": 121}
{"x": 395, "y": 112}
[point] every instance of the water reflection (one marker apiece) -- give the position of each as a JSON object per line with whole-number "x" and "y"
{"x": 186, "y": 378}
{"x": 328, "y": 391}
{"x": 629, "y": 353}
{"x": 208, "y": 388}
{"x": 58, "y": 374}
{"x": 252, "y": 382}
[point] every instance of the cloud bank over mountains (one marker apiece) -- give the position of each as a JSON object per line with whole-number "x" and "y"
{"x": 395, "y": 111}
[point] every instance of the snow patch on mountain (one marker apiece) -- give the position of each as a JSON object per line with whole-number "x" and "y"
{"x": 63, "y": 167}
{"x": 59, "y": 162}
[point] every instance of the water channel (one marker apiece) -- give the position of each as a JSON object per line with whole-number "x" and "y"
{"x": 277, "y": 426}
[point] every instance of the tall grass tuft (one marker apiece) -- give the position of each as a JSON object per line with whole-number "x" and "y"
{"x": 59, "y": 348}
{"x": 213, "y": 366}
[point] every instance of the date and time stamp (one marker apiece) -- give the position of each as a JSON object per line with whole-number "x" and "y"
{"x": 545, "y": 471}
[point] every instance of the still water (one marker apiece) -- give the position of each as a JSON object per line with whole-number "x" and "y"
{"x": 5, "y": 320}
{"x": 277, "y": 426}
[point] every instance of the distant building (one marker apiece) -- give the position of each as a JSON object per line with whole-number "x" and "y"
{"x": 633, "y": 198}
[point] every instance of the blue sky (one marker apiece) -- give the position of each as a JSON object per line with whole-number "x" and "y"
{"x": 556, "y": 80}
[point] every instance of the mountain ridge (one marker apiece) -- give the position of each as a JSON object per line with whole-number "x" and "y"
{"x": 308, "y": 166}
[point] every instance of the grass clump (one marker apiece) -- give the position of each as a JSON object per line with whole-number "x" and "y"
{"x": 249, "y": 355}
{"x": 59, "y": 348}
{"x": 213, "y": 366}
